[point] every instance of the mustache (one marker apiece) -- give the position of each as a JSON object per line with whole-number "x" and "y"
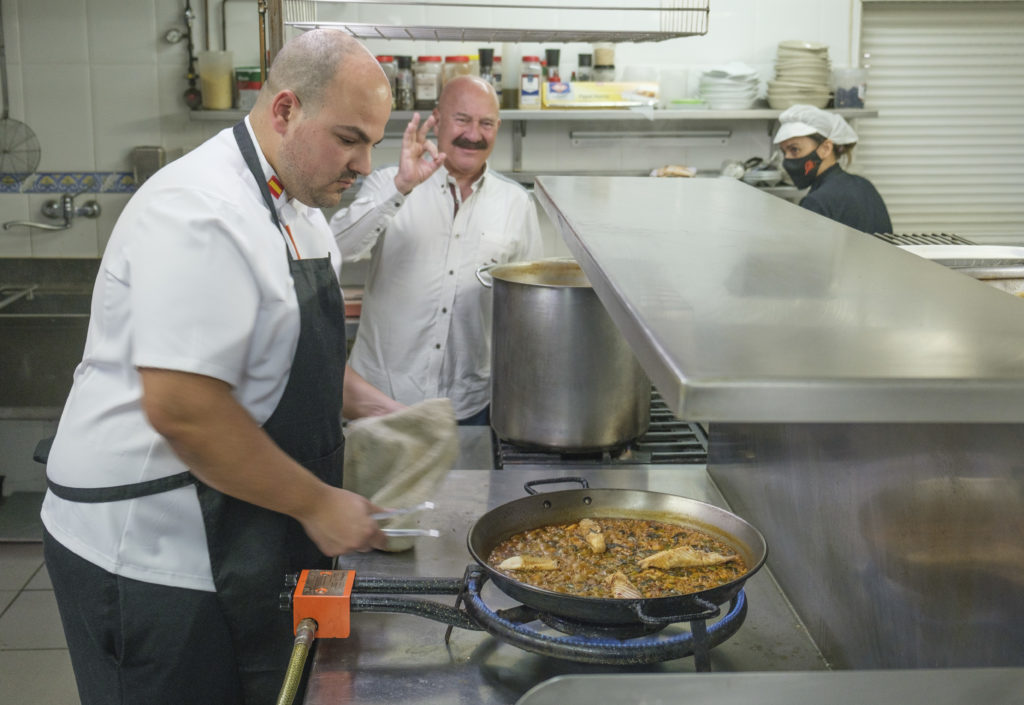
{"x": 467, "y": 144}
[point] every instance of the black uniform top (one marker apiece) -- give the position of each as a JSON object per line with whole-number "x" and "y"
{"x": 850, "y": 199}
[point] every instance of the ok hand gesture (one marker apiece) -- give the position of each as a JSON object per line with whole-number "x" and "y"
{"x": 413, "y": 169}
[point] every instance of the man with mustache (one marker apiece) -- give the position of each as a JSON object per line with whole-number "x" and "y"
{"x": 427, "y": 225}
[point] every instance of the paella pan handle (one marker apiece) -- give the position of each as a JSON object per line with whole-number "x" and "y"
{"x": 582, "y": 481}
{"x": 710, "y": 610}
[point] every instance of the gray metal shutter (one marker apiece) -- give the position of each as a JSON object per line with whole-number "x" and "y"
{"x": 947, "y": 149}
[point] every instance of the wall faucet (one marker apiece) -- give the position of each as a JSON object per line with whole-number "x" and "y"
{"x": 64, "y": 208}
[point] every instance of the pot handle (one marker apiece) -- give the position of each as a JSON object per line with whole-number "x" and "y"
{"x": 710, "y": 610}
{"x": 485, "y": 269}
{"x": 552, "y": 480}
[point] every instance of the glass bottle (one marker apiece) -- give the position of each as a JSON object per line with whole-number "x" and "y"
{"x": 553, "y": 72}
{"x": 405, "y": 96}
{"x": 585, "y": 69}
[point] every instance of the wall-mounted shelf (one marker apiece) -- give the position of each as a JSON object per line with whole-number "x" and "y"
{"x": 403, "y": 116}
{"x": 489, "y": 34}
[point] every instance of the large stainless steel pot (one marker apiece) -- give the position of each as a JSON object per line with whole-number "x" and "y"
{"x": 572, "y": 505}
{"x": 562, "y": 375}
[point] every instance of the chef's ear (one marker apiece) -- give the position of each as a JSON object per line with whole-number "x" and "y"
{"x": 283, "y": 109}
{"x": 825, "y": 149}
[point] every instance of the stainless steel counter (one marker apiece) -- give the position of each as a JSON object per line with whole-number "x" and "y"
{"x": 392, "y": 658}
{"x": 744, "y": 308}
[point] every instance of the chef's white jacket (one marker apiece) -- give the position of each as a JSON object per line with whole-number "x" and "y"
{"x": 425, "y": 326}
{"x": 194, "y": 279}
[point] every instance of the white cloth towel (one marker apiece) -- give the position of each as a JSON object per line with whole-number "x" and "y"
{"x": 398, "y": 460}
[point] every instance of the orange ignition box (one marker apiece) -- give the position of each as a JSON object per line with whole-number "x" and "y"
{"x": 324, "y": 595}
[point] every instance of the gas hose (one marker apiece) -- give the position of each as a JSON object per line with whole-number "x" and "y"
{"x": 304, "y": 634}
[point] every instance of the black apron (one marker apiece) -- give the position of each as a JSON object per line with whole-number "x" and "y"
{"x": 251, "y": 548}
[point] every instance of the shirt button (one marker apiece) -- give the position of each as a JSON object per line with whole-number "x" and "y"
{"x": 444, "y": 310}
{"x": 451, "y": 271}
{"x": 397, "y": 204}
{"x": 437, "y": 346}
{"x": 457, "y": 236}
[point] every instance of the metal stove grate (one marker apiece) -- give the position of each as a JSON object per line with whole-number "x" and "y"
{"x": 667, "y": 441}
{"x": 924, "y": 239}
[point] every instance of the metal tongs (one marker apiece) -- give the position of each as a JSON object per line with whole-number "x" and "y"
{"x": 432, "y": 533}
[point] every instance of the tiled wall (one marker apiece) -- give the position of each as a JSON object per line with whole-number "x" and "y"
{"x": 95, "y": 78}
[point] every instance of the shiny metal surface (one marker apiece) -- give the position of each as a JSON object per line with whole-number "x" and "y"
{"x": 742, "y": 307}
{"x": 893, "y": 687}
{"x": 900, "y": 545}
{"x": 562, "y": 375}
{"x": 394, "y": 658}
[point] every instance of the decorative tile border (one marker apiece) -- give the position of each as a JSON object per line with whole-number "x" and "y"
{"x": 69, "y": 182}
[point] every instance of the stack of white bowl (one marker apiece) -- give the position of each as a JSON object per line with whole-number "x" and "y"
{"x": 802, "y": 75}
{"x": 731, "y": 87}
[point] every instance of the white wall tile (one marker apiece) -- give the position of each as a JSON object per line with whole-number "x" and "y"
{"x": 126, "y": 105}
{"x": 53, "y": 31}
{"x": 121, "y": 32}
{"x": 59, "y": 110}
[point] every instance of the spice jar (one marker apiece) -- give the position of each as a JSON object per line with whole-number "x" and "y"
{"x": 455, "y": 66}
{"x": 427, "y": 82}
{"x": 604, "y": 73}
{"x": 584, "y": 70}
{"x": 529, "y": 83}
{"x": 405, "y": 97}
{"x": 390, "y": 70}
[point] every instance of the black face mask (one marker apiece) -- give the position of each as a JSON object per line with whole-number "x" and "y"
{"x": 803, "y": 170}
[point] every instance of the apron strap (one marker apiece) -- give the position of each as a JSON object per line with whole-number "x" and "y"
{"x": 252, "y": 160}
{"x": 116, "y": 493}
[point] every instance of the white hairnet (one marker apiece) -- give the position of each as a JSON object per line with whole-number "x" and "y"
{"x": 803, "y": 120}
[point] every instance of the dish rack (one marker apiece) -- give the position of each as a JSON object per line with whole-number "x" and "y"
{"x": 923, "y": 239}
{"x": 646, "y": 21}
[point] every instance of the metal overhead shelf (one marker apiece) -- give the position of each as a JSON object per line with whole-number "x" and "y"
{"x": 485, "y": 34}
{"x": 669, "y": 20}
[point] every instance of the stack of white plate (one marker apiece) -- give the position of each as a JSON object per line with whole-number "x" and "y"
{"x": 802, "y": 75}
{"x": 731, "y": 87}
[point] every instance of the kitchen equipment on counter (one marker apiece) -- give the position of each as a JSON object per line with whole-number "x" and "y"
{"x": 543, "y": 509}
{"x": 733, "y": 86}
{"x": 562, "y": 374}
{"x": 667, "y": 441}
{"x": 997, "y": 265}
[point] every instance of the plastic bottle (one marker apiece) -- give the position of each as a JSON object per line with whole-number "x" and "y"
{"x": 405, "y": 96}
{"x": 529, "y": 83}
{"x": 497, "y": 80}
{"x": 455, "y": 66}
{"x": 427, "y": 82}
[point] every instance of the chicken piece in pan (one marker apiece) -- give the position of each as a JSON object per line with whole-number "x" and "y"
{"x": 685, "y": 557}
{"x": 591, "y": 531}
{"x": 528, "y": 563}
{"x": 621, "y": 587}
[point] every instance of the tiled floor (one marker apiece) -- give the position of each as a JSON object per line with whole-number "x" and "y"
{"x": 34, "y": 663}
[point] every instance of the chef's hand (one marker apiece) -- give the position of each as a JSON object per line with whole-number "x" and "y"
{"x": 341, "y": 523}
{"x": 413, "y": 169}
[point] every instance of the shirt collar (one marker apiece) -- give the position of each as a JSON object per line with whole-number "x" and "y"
{"x": 277, "y": 192}
{"x": 444, "y": 178}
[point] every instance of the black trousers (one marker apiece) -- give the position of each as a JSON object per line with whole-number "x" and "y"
{"x": 135, "y": 642}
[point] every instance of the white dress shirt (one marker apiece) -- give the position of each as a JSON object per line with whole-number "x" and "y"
{"x": 195, "y": 279}
{"x": 425, "y": 327}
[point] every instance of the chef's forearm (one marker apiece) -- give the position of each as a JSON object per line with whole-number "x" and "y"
{"x": 363, "y": 399}
{"x": 223, "y": 446}
{"x": 357, "y": 228}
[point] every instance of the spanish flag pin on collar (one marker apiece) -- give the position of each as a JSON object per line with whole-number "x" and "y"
{"x": 275, "y": 186}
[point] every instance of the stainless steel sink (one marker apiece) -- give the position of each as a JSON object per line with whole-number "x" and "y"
{"x": 44, "y": 316}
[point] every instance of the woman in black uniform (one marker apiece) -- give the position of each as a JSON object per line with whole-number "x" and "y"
{"x": 813, "y": 142}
